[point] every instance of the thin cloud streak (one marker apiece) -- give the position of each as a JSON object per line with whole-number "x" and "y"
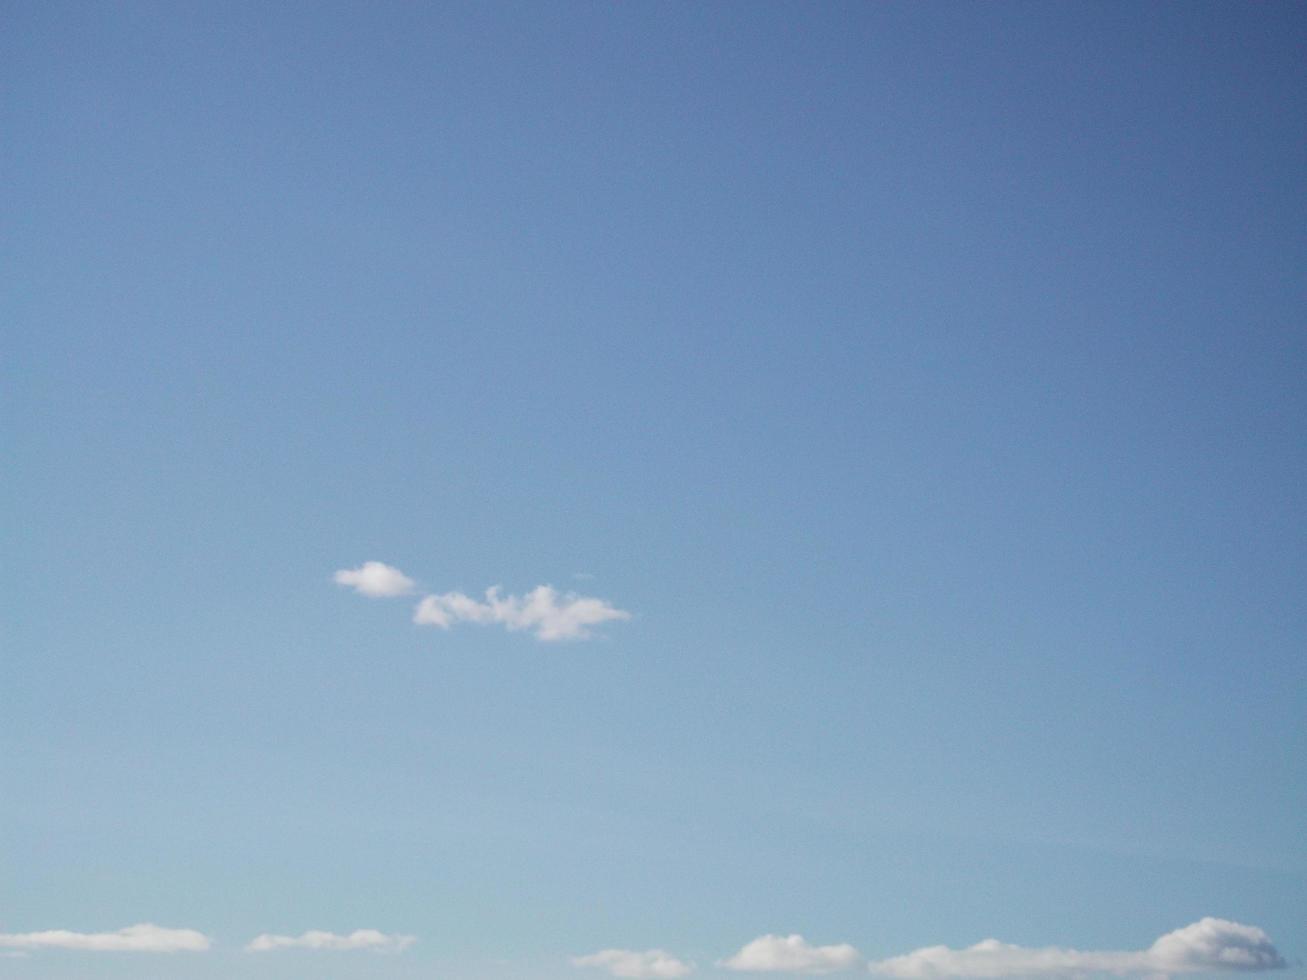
{"x": 548, "y": 614}
{"x": 370, "y": 939}
{"x": 650, "y": 963}
{"x": 145, "y": 937}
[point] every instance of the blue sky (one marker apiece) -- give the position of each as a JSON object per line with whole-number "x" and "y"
{"x": 923, "y": 382}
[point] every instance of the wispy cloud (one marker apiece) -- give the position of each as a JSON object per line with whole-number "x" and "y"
{"x": 142, "y": 938}
{"x": 379, "y": 942}
{"x": 544, "y": 611}
{"x": 548, "y": 614}
{"x": 792, "y": 954}
{"x": 1207, "y": 946}
{"x": 655, "y": 963}
{"x": 376, "y": 580}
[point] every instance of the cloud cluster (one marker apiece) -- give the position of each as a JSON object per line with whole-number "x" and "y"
{"x": 142, "y": 938}
{"x": 376, "y": 580}
{"x": 371, "y": 939}
{"x": 655, "y": 963}
{"x": 1207, "y": 946}
{"x": 543, "y": 611}
{"x": 792, "y": 954}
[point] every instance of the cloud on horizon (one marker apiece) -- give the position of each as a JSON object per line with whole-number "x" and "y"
{"x": 376, "y": 580}
{"x": 1209, "y": 945}
{"x": 655, "y": 963}
{"x": 792, "y": 954}
{"x": 144, "y": 937}
{"x": 549, "y": 615}
{"x": 379, "y": 942}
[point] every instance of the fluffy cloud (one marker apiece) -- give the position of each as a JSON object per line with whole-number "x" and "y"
{"x": 549, "y": 615}
{"x": 376, "y": 580}
{"x": 792, "y": 954}
{"x": 1215, "y": 944}
{"x": 142, "y": 938}
{"x": 316, "y": 939}
{"x": 1209, "y": 945}
{"x": 629, "y": 963}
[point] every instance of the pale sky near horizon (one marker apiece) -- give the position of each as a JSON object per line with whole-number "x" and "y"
{"x": 829, "y": 470}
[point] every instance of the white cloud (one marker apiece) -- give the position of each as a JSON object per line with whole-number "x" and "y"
{"x": 1209, "y": 945}
{"x": 655, "y": 963}
{"x": 992, "y": 959}
{"x": 376, "y": 580}
{"x": 142, "y": 938}
{"x": 316, "y": 939}
{"x": 1215, "y": 944}
{"x": 792, "y": 954}
{"x": 547, "y": 613}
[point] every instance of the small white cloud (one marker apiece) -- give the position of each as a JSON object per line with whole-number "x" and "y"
{"x": 547, "y": 613}
{"x": 376, "y": 580}
{"x": 655, "y": 963}
{"x": 371, "y": 939}
{"x": 142, "y": 938}
{"x": 1207, "y": 946}
{"x": 793, "y": 954}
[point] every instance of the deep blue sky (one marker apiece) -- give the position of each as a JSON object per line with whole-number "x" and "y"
{"x": 927, "y": 380}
